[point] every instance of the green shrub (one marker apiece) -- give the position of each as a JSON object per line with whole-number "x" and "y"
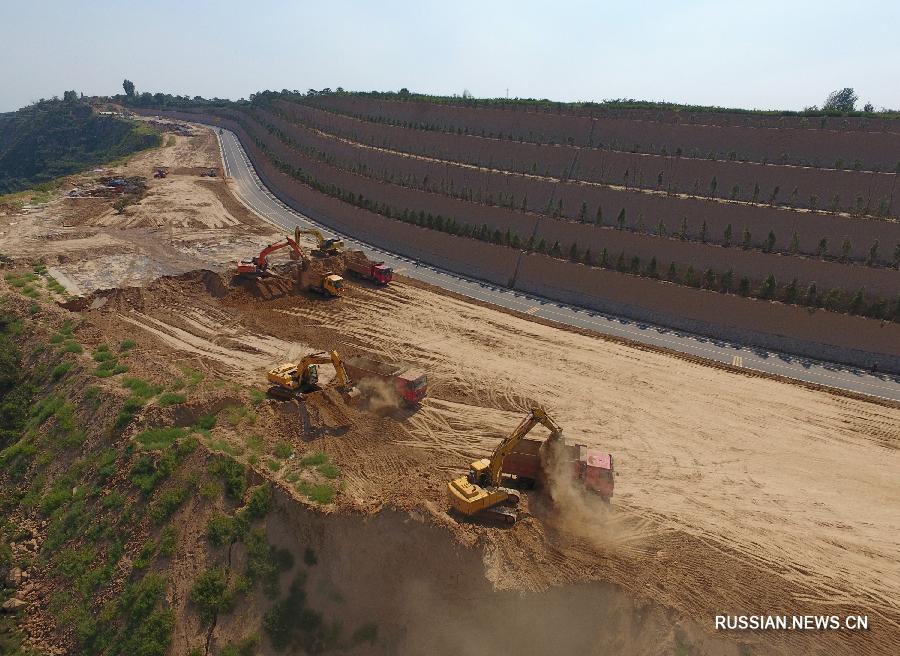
{"x": 222, "y": 530}
{"x": 168, "y": 502}
{"x": 61, "y": 370}
{"x": 233, "y": 475}
{"x": 73, "y": 347}
{"x": 170, "y": 398}
{"x": 205, "y": 422}
{"x": 126, "y": 345}
{"x": 246, "y": 647}
{"x": 168, "y": 541}
{"x": 257, "y": 396}
{"x": 212, "y": 594}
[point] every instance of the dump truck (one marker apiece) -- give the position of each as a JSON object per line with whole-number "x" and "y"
{"x": 531, "y": 458}
{"x": 326, "y": 283}
{"x": 362, "y": 266}
{"x": 410, "y": 385}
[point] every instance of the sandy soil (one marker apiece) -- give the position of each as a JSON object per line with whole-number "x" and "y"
{"x": 735, "y": 494}
{"x": 183, "y": 222}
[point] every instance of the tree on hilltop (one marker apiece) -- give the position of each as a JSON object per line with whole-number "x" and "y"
{"x": 843, "y": 100}
{"x": 128, "y": 85}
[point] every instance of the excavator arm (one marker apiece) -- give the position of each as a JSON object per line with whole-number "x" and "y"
{"x": 536, "y": 416}
{"x": 334, "y": 244}
{"x": 262, "y": 258}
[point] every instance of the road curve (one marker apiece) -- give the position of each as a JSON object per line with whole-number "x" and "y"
{"x": 254, "y": 194}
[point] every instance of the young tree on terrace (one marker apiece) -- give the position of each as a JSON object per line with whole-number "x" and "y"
{"x": 651, "y": 268}
{"x": 856, "y": 303}
{"x": 598, "y": 218}
{"x": 843, "y": 100}
{"x": 588, "y": 258}
{"x": 709, "y": 279}
{"x": 767, "y": 290}
{"x": 672, "y": 274}
{"x": 812, "y": 295}
{"x": 604, "y": 258}
{"x": 897, "y": 257}
{"x": 745, "y": 244}
{"x": 790, "y": 291}
{"x": 795, "y": 243}
{"x": 770, "y": 241}
{"x": 573, "y": 252}
{"x": 620, "y": 221}
{"x": 755, "y": 192}
{"x": 822, "y": 248}
{"x": 845, "y": 250}
{"x": 744, "y": 286}
{"x": 703, "y": 232}
{"x": 727, "y": 280}
{"x": 713, "y": 185}
{"x": 690, "y": 276}
{"x": 620, "y": 262}
{"x": 728, "y": 235}
{"x": 661, "y": 228}
{"x": 682, "y": 234}
{"x": 582, "y": 213}
{"x": 873, "y": 254}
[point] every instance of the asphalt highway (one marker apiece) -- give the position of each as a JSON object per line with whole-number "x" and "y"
{"x": 256, "y": 196}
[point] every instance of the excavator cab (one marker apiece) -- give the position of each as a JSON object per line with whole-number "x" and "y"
{"x": 480, "y": 473}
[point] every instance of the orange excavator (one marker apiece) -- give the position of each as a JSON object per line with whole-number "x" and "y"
{"x": 259, "y": 265}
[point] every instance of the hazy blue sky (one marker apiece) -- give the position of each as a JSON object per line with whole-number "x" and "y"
{"x": 757, "y": 53}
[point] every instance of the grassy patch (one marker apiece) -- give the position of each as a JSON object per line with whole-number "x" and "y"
{"x": 60, "y": 370}
{"x": 212, "y": 594}
{"x": 323, "y": 493}
{"x": 329, "y": 470}
{"x": 283, "y": 450}
{"x": 233, "y": 475}
{"x": 273, "y": 465}
{"x": 193, "y": 377}
{"x": 126, "y": 345}
{"x": 235, "y": 414}
{"x": 224, "y": 446}
{"x": 140, "y": 388}
{"x": 205, "y": 423}
{"x": 155, "y": 439}
{"x": 314, "y": 459}
{"x": 168, "y": 502}
{"x": 256, "y": 396}
{"x": 72, "y": 347}
{"x": 170, "y": 398}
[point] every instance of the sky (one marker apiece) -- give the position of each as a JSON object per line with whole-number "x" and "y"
{"x": 764, "y": 54}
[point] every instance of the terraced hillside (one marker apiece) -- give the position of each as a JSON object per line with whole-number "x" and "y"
{"x": 801, "y": 215}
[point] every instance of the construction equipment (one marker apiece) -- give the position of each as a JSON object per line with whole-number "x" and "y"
{"x": 481, "y": 491}
{"x": 160, "y": 172}
{"x": 408, "y": 384}
{"x": 531, "y": 459}
{"x": 362, "y": 266}
{"x": 324, "y": 282}
{"x": 296, "y": 378}
{"x": 259, "y": 265}
{"x": 331, "y": 246}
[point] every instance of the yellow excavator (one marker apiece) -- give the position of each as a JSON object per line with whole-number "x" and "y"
{"x": 330, "y": 246}
{"x": 296, "y": 378}
{"x": 481, "y": 491}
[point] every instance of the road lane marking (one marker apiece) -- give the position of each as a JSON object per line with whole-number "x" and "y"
{"x": 737, "y": 361}
{"x": 533, "y": 310}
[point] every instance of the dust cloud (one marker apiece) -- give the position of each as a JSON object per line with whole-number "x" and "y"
{"x": 583, "y": 514}
{"x": 380, "y": 395}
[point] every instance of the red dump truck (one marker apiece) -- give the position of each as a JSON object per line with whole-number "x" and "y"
{"x": 590, "y": 467}
{"x": 411, "y": 385}
{"x": 362, "y": 266}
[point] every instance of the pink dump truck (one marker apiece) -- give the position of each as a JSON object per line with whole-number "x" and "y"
{"x": 590, "y": 467}
{"x": 411, "y": 385}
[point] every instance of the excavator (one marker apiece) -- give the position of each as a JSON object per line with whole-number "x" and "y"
{"x": 481, "y": 492}
{"x": 297, "y": 378}
{"x": 331, "y": 246}
{"x": 259, "y": 265}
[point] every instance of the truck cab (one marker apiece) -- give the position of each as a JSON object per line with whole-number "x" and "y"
{"x": 412, "y": 386}
{"x": 597, "y": 471}
{"x": 382, "y": 274}
{"x": 333, "y": 284}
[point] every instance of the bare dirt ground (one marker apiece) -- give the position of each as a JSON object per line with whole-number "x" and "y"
{"x": 183, "y": 222}
{"x": 735, "y": 495}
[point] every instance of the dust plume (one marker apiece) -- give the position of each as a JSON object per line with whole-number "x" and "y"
{"x": 582, "y": 513}
{"x": 380, "y": 395}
